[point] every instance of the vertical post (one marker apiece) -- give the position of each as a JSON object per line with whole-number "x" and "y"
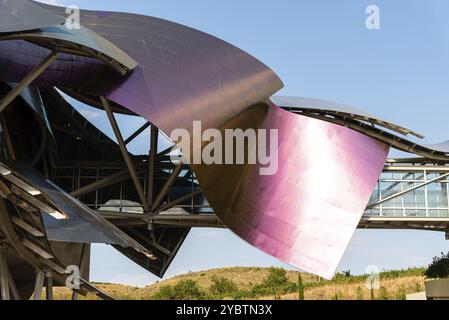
{"x": 49, "y": 291}
{"x": 426, "y": 196}
{"x": 12, "y": 285}
{"x": 154, "y": 137}
{"x": 75, "y": 295}
{"x": 39, "y": 285}
{"x": 4, "y": 283}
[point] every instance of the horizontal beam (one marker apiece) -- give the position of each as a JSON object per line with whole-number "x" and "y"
{"x": 106, "y": 182}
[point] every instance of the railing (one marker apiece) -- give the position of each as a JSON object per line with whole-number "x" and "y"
{"x": 406, "y": 196}
{"x": 411, "y": 191}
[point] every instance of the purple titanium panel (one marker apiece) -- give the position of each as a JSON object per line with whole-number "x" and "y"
{"x": 182, "y": 75}
{"x": 307, "y": 212}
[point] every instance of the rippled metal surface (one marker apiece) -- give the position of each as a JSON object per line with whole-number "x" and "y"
{"x": 182, "y": 75}
{"x": 23, "y": 15}
{"x": 89, "y": 42}
{"x": 307, "y": 212}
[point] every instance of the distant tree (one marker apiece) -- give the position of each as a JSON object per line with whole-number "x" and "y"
{"x": 300, "y": 288}
{"x": 439, "y": 268}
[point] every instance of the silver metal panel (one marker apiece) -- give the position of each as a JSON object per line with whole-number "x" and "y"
{"x": 72, "y": 39}
{"x": 83, "y": 224}
{"x": 440, "y": 147}
{"x": 22, "y": 15}
{"x": 329, "y": 106}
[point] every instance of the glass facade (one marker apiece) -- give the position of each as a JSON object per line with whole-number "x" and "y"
{"x": 430, "y": 200}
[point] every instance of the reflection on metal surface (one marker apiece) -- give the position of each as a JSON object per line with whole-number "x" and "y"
{"x": 77, "y": 41}
{"x": 182, "y": 73}
{"x": 23, "y": 15}
{"x": 293, "y": 215}
{"x": 338, "y": 108}
{"x": 81, "y": 225}
{"x": 365, "y": 123}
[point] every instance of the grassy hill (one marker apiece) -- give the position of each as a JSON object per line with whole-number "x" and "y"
{"x": 266, "y": 283}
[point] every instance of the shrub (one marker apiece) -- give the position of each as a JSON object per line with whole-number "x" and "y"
{"x": 384, "y": 294}
{"x": 300, "y": 288}
{"x": 359, "y": 294}
{"x": 275, "y": 283}
{"x": 164, "y": 293}
{"x": 401, "y": 294}
{"x": 418, "y": 287}
{"x": 222, "y": 286}
{"x": 277, "y": 277}
{"x": 183, "y": 290}
{"x": 439, "y": 268}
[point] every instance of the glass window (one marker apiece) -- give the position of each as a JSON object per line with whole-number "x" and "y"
{"x": 437, "y": 195}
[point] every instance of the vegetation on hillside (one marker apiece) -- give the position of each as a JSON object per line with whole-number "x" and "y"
{"x": 269, "y": 283}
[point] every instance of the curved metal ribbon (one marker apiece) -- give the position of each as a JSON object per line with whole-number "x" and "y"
{"x": 304, "y": 214}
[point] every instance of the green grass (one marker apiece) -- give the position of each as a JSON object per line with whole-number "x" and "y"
{"x": 267, "y": 283}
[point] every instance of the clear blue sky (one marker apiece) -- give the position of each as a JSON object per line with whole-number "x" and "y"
{"x": 320, "y": 49}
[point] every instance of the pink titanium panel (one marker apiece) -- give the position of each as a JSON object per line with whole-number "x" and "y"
{"x": 307, "y": 212}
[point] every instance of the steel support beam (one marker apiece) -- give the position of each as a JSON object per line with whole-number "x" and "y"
{"x": 49, "y": 291}
{"x": 33, "y": 75}
{"x": 4, "y": 276}
{"x": 105, "y": 182}
{"x": 12, "y": 284}
{"x": 154, "y": 136}
{"x": 178, "y": 201}
{"x": 136, "y": 134}
{"x": 125, "y": 154}
{"x": 7, "y": 136}
{"x": 167, "y": 186}
{"x": 39, "y": 285}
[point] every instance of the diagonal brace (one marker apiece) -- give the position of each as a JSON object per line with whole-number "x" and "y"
{"x": 33, "y": 75}
{"x": 129, "y": 163}
{"x": 167, "y": 186}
